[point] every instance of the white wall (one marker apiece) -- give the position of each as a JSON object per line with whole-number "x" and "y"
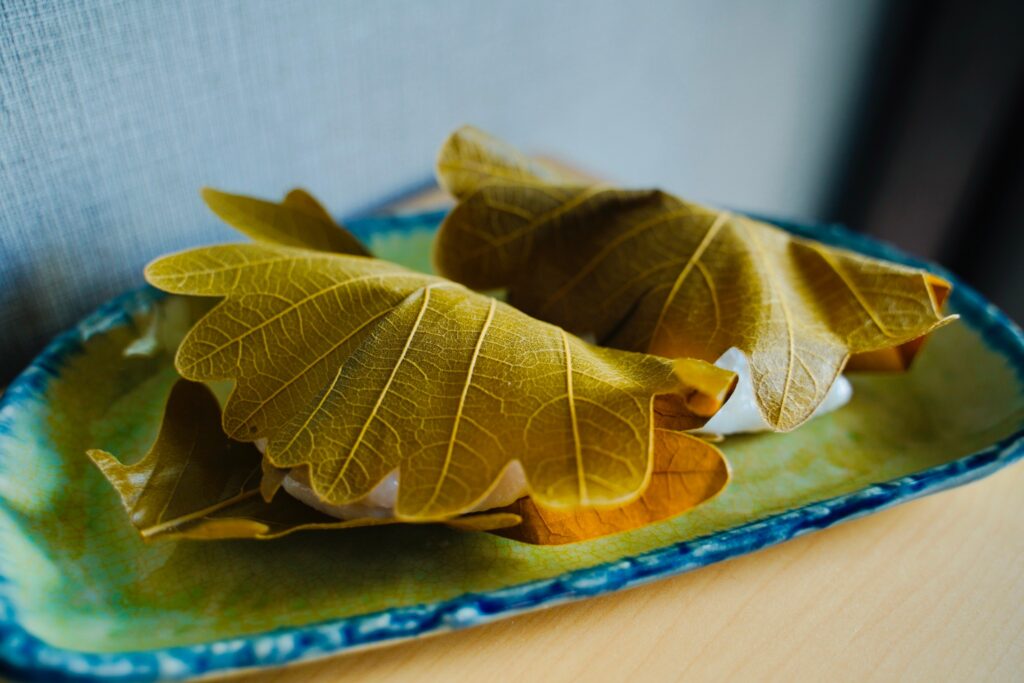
{"x": 114, "y": 113}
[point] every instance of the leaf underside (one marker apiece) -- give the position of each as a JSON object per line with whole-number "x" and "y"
{"x": 646, "y": 271}
{"x": 354, "y": 368}
{"x": 298, "y": 221}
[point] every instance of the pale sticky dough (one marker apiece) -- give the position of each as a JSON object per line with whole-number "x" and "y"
{"x": 380, "y": 502}
{"x": 740, "y": 413}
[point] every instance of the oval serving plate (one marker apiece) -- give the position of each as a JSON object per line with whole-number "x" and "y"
{"x": 81, "y": 597}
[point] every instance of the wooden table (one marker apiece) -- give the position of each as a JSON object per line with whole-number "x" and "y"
{"x": 932, "y": 591}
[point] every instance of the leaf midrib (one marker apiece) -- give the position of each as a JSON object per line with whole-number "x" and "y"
{"x": 462, "y": 403}
{"x": 387, "y": 387}
{"x": 694, "y": 259}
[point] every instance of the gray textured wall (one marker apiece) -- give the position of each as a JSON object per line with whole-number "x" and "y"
{"x": 114, "y": 113}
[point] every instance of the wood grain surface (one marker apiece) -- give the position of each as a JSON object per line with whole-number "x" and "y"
{"x": 929, "y": 591}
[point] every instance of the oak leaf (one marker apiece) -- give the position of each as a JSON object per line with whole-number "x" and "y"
{"x": 298, "y": 221}
{"x": 353, "y": 368}
{"x": 645, "y": 271}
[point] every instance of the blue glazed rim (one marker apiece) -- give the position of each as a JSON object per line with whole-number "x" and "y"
{"x": 27, "y": 657}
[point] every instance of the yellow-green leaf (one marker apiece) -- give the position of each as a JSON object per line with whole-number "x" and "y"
{"x": 298, "y": 221}
{"x": 646, "y": 271}
{"x": 471, "y": 157}
{"x": 355, "y": 368}
{"x": 196, "y": 483}
{"x": 304, "y": 201}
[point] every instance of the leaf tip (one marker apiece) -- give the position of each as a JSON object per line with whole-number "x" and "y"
{"x": 212, "y": 197}
{"x": 210, "y": 194}
{"x": 102, "y": 459}
{"x": 939, "y": 289}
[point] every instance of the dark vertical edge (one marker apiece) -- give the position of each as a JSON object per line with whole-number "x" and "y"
{"x": 895, "y": 62}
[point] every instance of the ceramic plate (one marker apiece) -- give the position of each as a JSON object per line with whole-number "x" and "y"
{"x": 81, "y": 597}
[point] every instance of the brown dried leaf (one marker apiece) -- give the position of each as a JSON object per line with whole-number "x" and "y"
{"x": 688, "y": 471}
